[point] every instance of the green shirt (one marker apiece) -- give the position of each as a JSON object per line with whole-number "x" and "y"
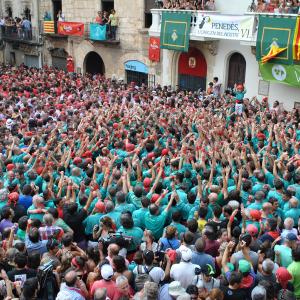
{"x": 139, "y": 217}
{"x": 285, "y": 255}
{"x": 136, "y": 233}
{"x": 124, "y": 207}
{"x": 180, "y": 228}
{"x": 61, "y": 223}
{"x": 115, "y": 216}
{"x": 34, "y": 216}
{"x": 156, "y": 223}
{"x": 90, "y": 222}
{"x": 134, "y": 200}
{"x": 21, "y": 234}
{"x": 294, "y": 269}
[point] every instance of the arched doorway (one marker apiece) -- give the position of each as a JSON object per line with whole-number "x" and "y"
{"x": 192, "y": 70}
{"x": 94, "y": 64}
{"x": 236, "y": 69}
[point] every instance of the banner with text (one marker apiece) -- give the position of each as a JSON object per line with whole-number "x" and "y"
{"x": 71, "y": 28}
{"x": 175, "y": 31}
{"x": 276, "y": 32}
{"x": 97, "y": 32}
{"x": 225, "y": 27}
{"x": 280, "y": 73}
{"x": 154, "y": 49}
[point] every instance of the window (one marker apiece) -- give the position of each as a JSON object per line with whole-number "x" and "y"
{"x": 27, "y": 13}
{"x": 56, "y": 9}
{"x": 9, "y": 11}
{"x": 107, "y": 5}
{"x": 149, "y": 4}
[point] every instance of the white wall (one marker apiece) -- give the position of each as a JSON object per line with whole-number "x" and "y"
{"x": 220, "y": 68}
{"x": 285, "y": 94}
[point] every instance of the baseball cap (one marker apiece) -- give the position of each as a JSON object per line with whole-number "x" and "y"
{"x": 186, "y": 254}
{"x": 244, "y": 266}
{"x": 208, "y": 270}
{"x": 291, "y": 237}
{"x": 107, "y": 272}
{"x": 255, "y": 214}
{"x": 259, "y": 293}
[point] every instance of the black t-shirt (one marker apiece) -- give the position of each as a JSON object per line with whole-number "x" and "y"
{"x": 21, "y": 275}
{"x": 75, "y": 222}
{"x": 230, "y": 294}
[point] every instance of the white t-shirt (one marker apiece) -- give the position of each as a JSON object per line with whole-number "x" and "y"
{"x": 184, "y": 272}
{"x": 157, "y": 274}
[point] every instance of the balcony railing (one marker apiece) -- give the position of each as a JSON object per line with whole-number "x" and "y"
{"x": 91, "y": 31}
{"x": 13, "y": 33}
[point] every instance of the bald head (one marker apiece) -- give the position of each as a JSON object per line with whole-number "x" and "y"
{"x": 113, "y": 250}
{"x": 71, "y": 278}
{"x": 100, "y": 294}
{"x": 213, "y": 197}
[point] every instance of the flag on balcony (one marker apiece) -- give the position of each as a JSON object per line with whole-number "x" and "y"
{"x": 275, "y": 50}
{"x": 49, "y": 27}
{"x": 297, "y": 41}
{"x": 97, "y": 32}
{"x": 275, "y": 39}
{"x": 154, "y": 48}
{"x": 70, "y": 28}
{"x": 175, "y": 30}
{"x": 281, "y": 73}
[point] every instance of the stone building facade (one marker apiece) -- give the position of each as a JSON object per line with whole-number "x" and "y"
{"x": 131, "y": 45}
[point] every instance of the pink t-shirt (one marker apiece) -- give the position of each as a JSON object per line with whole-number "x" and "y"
{"x": 110, "y": 286}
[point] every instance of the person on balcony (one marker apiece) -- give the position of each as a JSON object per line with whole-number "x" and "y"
{"x": 99, "y": 18}
{"x": 210, "y": 5}
{"x": 26, "y": 24}
{"x": 113, "y": 22}
{"x": 261, "y": 6}
{"x": 60, "y": 16}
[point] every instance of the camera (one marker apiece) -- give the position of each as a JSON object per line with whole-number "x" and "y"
{"x": 48, "y": 287}
{"x": 121, "y": 240}
{"x": 160, "y": 255}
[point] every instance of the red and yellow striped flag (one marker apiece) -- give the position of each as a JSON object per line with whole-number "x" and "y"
{"x": 296, "y": 49}
{"x": 48, "y": 26}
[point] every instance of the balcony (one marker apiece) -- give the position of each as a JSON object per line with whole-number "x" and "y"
{"x": 88, "y": 31}
{"x": 15, "y": 34}
{"x": 202, "y": 30}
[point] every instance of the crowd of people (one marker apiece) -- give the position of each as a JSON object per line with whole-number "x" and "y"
{"x": 260, "y": 6}
{"x": 276, "y": 6}
{"x": 189, "y": 4}
{"x": 20, "y": 28}
{"x": 116, "y": 191}
{"x": 110, "y": 20}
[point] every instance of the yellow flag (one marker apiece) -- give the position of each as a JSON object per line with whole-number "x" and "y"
{"x": 274, "y": 51}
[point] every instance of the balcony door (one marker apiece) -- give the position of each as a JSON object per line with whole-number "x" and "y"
{"x": 192, "y": 70}
{"x": 236, "y": 69}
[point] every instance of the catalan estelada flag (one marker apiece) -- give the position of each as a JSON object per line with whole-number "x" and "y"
{"x": 274, "y": 51}
{"x": 296, "y": 50}
{"x": 49, "y": 27}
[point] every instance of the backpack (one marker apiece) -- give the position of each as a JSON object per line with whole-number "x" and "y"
{"x": 141, "y": 277}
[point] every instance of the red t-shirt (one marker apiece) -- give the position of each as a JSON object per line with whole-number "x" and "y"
{"x": 110, "y": 287}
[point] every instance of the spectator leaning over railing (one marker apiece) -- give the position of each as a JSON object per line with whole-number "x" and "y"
{"x": 113, "y": 22}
